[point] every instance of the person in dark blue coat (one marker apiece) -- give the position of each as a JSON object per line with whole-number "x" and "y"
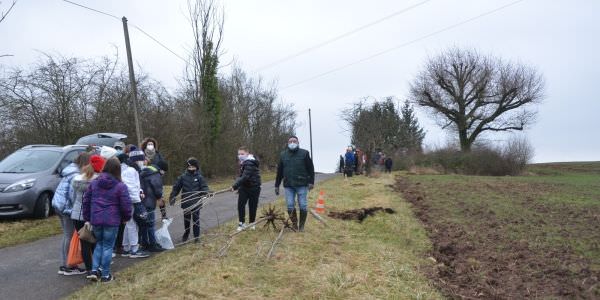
{"x": 349, "y": 163}
{"x": 193, "y": 187}
{"x": 152, "y": 187}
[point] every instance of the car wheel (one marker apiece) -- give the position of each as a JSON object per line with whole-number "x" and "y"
{"x": 42, "y": 206}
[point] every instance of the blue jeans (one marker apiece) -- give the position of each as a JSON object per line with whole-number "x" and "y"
{"x": 290, "y": 197}
{"x": 105, "y": 241}
{"x": 147, "y": 231}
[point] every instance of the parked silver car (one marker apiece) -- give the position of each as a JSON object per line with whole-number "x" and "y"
{"x": 29, "y": 177}
{"x": 102, "y": 139}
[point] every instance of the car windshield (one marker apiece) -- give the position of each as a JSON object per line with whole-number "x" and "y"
{"x": 29, "y": 161}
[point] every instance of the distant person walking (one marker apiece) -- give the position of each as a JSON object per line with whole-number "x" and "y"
{"x": 248, "y": 187}
{"x": 341, "y": 164}
{"x": 388, "y": 165}
{"x": 150, "y": 147}
{"x": 106, "y": 204}
{"x": 81, "y": 182}
{"x": 297, "y": 171}
{"x": 192, "y": 186}
{"x": 350, "y": 160}
{"x": 62, "y": 202}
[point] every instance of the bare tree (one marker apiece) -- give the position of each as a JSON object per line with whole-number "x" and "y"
{"x": 471, "y": 93}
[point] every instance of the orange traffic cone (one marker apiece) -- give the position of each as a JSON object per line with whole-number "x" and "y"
{"x": 320, "y": 208}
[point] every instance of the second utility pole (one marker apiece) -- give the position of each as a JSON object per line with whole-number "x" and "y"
{"x": 138, "y": 128}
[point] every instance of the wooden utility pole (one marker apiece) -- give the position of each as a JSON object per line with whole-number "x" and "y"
{"x": 138, "y": 128}
{"x": 310, "y": 132}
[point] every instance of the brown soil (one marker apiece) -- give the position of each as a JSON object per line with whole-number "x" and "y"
{"x": 477, "y": 259}
{"x": 359, "y": 214}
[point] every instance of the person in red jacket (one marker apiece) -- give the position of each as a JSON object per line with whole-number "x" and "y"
{"x": 106, "y": 204}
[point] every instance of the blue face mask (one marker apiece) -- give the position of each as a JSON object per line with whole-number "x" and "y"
{"x": 292, "y": 146}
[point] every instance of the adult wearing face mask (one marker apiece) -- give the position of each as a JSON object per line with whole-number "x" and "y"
{"x": 193, "y": 187}
{"x": 297, "y": 171}
{"x": 150, "y": 148}
{"x": 248, "y": 187}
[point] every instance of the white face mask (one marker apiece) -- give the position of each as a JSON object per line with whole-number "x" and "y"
{"x": 242, "y": 158}
{"x": 150, "y": 147}
{"x": 292, "y": 146}
{"x": 140, "y": 164}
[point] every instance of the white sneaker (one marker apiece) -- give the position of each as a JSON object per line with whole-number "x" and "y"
{"x": 241, "y": 226}
{"x": 253, "y": 227}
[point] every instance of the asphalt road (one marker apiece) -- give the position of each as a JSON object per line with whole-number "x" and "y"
{"x": 29, "y": 271}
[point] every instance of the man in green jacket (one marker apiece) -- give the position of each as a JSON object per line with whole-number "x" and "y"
{"x": 297, "y": 171}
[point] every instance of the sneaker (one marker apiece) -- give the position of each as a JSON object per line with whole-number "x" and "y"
{"x": 156, "y": 248}
{"x": 73, "y": 271}
{"x": 61, "y": 270}
{"x": 197, "y": 240}
{"x": 108, "y": 278}
{"x": 126, "y": 254}
{"x": 139, "y": 254}
{"x": 253, "y": 227}
{"x": 93, "y": 276}
{"x": 241, "y": 226}
{"x": 184, "y": 238}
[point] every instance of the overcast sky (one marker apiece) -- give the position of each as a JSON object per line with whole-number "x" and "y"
{"x": 560, "y": 38}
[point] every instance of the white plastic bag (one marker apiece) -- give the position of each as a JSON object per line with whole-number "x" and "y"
{"x": 163, "y": 237}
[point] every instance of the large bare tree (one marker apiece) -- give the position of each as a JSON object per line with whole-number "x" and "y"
{"x": 472, "y": 93}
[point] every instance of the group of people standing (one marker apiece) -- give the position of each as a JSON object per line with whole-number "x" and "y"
{"x": 104, "y": 190}
{"x": 353, "y": 161}
{"x": 114, "y": 192}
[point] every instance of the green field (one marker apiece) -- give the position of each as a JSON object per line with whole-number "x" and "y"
{"x": 511, "y": 237}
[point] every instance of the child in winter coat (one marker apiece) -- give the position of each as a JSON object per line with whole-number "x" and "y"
{"x": 152, "y": 187}
{"x": 63, "y": 204}
{"x": 248, "y": 186}
{"x": 193, "y": 187}
{"x": 131, "y": 179}
{"x": 81, "y": 182}
{"x": 106, "y": 205}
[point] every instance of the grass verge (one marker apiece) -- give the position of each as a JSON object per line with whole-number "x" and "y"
{"x": 14, "y": 232}
{"x": 378, "y": 258}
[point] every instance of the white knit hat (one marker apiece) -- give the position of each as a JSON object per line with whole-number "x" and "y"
{"x": 107, "y": 152}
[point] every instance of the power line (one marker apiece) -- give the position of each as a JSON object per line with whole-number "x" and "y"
{"x": 92, "y": 9}
{"x": 133, "y": 25}
{"x": 404, "y": 44}
{"x": 339, "y": 37}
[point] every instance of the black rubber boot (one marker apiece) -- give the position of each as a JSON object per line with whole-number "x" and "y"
{"x": 293, "y": 218}
{"x": 303, "y": 215}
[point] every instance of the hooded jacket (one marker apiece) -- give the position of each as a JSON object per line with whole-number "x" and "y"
{"x": 152, "y": 185}
{"x": 131, "y": 179}
{"x": 249, "y": 174}
{"x": 106, "y": 202}
{"x": 62, "y": 201}
{"x": 80, "y": 185}
{"x": 188, "y": 183}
